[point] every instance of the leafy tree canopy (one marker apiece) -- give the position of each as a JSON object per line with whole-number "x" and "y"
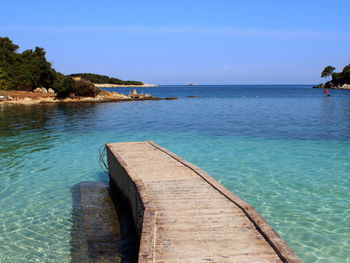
{"x": 26, "y": 70}
{"x": 327, "y": 71}
{"x": 343, "y": 77}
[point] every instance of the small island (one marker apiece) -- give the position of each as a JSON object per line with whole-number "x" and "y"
{"x": 340, "y": 80}
{"x": 28, "y": 78}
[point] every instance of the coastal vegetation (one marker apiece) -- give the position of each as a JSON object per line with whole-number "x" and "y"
{"x": 102, "y": 79}
{"x": 30, "y": 70}
{"x": 340, "y": 80}
{"x": 26, "y": 70}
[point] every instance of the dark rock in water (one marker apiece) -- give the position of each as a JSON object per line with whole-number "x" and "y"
{"x": 192, "y": 96}
{"x": 102, "y": 226}
{"x": 171, "y": 98}
{"x": 96, "y": 231}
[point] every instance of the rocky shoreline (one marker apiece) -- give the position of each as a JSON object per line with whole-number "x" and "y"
{"x": 29, "y": 98}
{"x": 330, "y": 85}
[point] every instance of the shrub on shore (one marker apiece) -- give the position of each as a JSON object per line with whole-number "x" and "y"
{"x": 64, "y": 86}
{"x": 84, "y": 88}
{"x": 67, "y": 87}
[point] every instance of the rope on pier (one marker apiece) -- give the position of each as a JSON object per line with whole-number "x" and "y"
{"x": 102, "y": 158}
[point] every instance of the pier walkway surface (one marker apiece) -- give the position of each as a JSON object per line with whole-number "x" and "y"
{"x": 184, "y": 215}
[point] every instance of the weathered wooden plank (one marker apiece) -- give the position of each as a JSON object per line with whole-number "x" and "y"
{"x": 184, "y": 215}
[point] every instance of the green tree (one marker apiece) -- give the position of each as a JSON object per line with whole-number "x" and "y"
{"x": 346, "y": 70}
{"x": 340, "y": 78}
{"x": 328, "y": 71}
{"x": 8, "y": 58}
{"x": 35, "y": 70}
{"x": 7, "y": 51}
{"x": 3, "y": 79}
{"x": 26, "y": 70}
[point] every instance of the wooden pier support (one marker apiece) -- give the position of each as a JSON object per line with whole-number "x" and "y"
{"x": 183, "y": 215}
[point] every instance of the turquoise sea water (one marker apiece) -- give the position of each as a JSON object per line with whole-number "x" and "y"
{"x": 284, "y": 149}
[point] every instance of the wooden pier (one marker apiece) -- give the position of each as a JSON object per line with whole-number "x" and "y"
{"x": 183, "y": 215}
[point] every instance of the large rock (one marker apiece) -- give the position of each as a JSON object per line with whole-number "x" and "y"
{"x": 40, "y": 90}
{"x": 345, "y": 86}
{"x": 50, "y": 91}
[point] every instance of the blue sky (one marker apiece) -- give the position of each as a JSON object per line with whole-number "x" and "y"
{"x": 177, "y": 42}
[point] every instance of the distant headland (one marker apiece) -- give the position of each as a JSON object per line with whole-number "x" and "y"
{"x": 103, "y": 81}
{"x": 340, "y": 80}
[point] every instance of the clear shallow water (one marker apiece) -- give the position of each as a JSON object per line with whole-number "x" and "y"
{"x": 284, "y": 149}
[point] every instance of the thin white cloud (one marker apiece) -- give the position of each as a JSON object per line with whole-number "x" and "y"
{"x": 219, "y": 31}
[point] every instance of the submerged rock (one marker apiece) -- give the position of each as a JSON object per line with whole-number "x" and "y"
{"x": 96, "y": 231}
